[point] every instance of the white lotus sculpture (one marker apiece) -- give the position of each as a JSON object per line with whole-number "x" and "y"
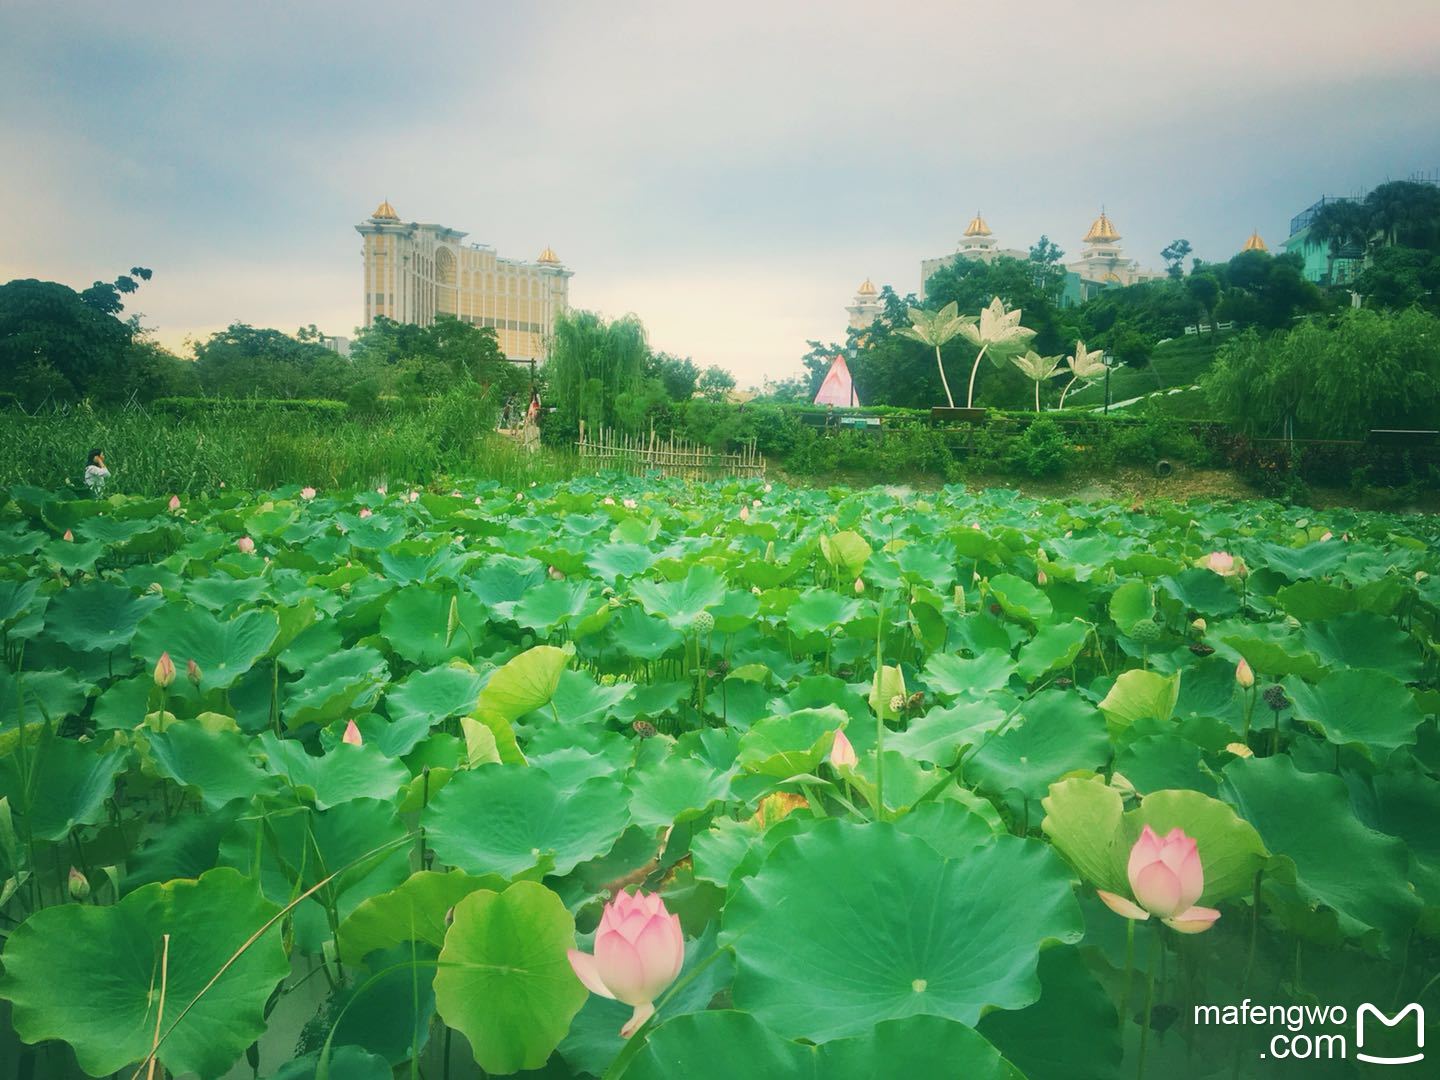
{"x": 1083, "y": 365}
{"x": 935, "y": 328}
{"x": 998, "y": 329}
{"x": 1038, "y": 368}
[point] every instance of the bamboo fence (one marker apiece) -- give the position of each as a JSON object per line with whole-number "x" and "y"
{"x": 638, "y": 454}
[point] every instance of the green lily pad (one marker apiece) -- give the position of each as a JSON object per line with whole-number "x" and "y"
{"x": 504, "y": 980}
{"x": 1021, "y": 600}
{"x": 217, "y": 764}
{"x": 344, "y": 682}
{"x": 345, "y": 773}
{"x": 790, "y": 745}
{"x": 900, "y": 932}
{"x": 1054, "y": 647}
{"x": 1056, "y": 733}
{"x": 415, "y": 911}
{"x": 528, "y": 816}
{"x": 224, "y": 649}
{"x": 1359, "y": 707}
{"x": 1141, "y": 695}
{"x": 116, "y": 952}
{"x": 1361, "y": 639}
{"x": 68, "y": 783}
{"x": 97, "y": 616}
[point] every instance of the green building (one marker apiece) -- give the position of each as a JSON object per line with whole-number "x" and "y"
{"x": 1323, "y": 265}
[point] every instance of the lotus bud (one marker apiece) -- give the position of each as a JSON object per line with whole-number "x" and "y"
{"x": 352, "y": 734}
{"x": 768, "y": 488}
{"x": 555, "y": 574}
{"x": 192, "y": 672}
{"x": 1166, "y": 878}
{"x": 755, "y": 503}
{"x": 164, "y": 671}
{"x": 1200, "y": 626}
{"x": 245, "y": 545}
{"x": 69, "y": 537}
{"x": 639, "y": 950}
{"x": 1244, "y": 675}
{"x": 744, "y": 513}
{"x": 519, "y": 496}
{"x": 842, "y": 753}
{"x": 382, "y": 490}
{"x": 79, "y": 886}
{"x": 365, "y": 512}
{"x": 174, "y": 502}
{"x": 1041, "y": 579}
{"x": 1421, "y": 577}
{"x": 960, "y": 599}
{"x": 307, "y": 493}
{"x": 859, "y": 586}
{"x": 1328, "y": 536}
{"x": 770, "y": 552}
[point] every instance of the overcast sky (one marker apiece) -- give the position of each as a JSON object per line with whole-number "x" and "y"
{"x": 730, "y": 173}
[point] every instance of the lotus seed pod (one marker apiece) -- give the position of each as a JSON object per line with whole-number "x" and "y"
{"x": 704, "y": 622}
{"x": 1199, "y": 648}
{"x": 79, "y": 885}
{"x": 1145, "y": 631}
{"x": 192, "y": 672}
{"x": 643, "y": 728}
{"x": 897, "y": 703}
{"x": 1274, "y": 696}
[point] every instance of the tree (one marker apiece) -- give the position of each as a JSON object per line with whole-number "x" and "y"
{"x": 677, "y": 377}
{"x": 105, "y": 297}
{"x": 1399, "y": 277}
{"x": 1045, "y": 251}
{"x": 247, "y": 361}
{"x": 1204, "y": 289}
{"x": 592, "y": 362}
{"x": 716, "y": 383}
{"x": 55, "y": 343}
{"x": 1174, "y": 256}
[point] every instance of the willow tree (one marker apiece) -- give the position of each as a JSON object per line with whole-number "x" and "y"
{"x": 592, "y": 362}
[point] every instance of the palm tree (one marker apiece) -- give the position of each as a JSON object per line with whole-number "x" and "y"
{"x": 998, "y": 328}
{"x": 935, "y": 328}
{"x": 1083, "y": 365}
{"x": 1038, "y": 368}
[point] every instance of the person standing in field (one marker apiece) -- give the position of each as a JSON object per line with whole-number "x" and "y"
{"x": 95, "y": 472}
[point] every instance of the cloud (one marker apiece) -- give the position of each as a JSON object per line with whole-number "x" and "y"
{"x": 729, "y": 176}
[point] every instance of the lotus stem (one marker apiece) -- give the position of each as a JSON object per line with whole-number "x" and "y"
{"x": 975, "y": 370}
{"x": 1149, "y": 1004}
{"x": 944, "y": 381}
{"x": 1129, "y": 968}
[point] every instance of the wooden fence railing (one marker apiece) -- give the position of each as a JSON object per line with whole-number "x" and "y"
{"x": 638, "y": 454}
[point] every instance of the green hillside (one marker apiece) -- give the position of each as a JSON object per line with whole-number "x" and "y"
{"x": 1179, "y": 362}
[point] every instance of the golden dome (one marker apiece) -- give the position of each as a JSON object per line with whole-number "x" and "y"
{"x": 385, "y": 212}
{"x": 1255, "y": 243}
{"x": 548, "y": 257}
{"x": 1103, "y": 229}
{"x": 867, "y": 288}
{"x": 977, "y": 226}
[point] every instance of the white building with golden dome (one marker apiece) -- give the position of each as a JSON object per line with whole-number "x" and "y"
{"x": 866, "y": 307}
{"x": 1102, "y": 261}
{"x": 977, "y": 242}
{"x": 415, "y": 272}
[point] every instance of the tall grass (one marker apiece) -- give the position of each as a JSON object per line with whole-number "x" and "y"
{"x": 153, "y": 453}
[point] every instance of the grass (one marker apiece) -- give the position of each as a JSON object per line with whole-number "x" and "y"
{"x": 1179, "y": 362}
{"x": 152, "y": 453}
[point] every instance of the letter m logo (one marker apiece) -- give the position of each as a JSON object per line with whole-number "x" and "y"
{"x": 1390, "y": 1022}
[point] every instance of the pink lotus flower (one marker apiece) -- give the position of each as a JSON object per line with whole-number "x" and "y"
{"x": 1244, "y": 675}
{"x": 307, "y": 493}
{"x": 164, "y": 671}
{"x": 629, "y": 504}
{"x": 352, "y": 736}
{"x": 382, "y": 490}
{"x": 1040, "y": 578}
{"x": 455, "y": 494}
{"x": 174, "y": 502}
{"x": 842, "y": 752}
{"x": 607, "y": 501}
{"x": 412, "y": 496}
{"x": 1221, "y": 562}
{"x": 246, "y": 545}
{"x": 744, "y": 513}
{"x": 1328, "y": 535}
{"x": 639, "y": 949}
{"x": 69, "y": 537}
{"x": 365, "y": 511}
{"x": 768, "y": 489}
{"x": 1167, "y": 878}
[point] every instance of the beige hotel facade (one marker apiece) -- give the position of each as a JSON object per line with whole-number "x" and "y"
{"x": 415, "y": 272}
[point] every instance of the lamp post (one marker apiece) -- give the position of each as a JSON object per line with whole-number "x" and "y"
{"x": 1108, "y": 364}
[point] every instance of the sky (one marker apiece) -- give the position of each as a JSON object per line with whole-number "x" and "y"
{"x": 729, "y": 173}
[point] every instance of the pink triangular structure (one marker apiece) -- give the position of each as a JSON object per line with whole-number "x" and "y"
{"x": 838, "y": 387}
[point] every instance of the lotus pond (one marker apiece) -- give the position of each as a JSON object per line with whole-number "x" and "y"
{"x": 787, "y": 783}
